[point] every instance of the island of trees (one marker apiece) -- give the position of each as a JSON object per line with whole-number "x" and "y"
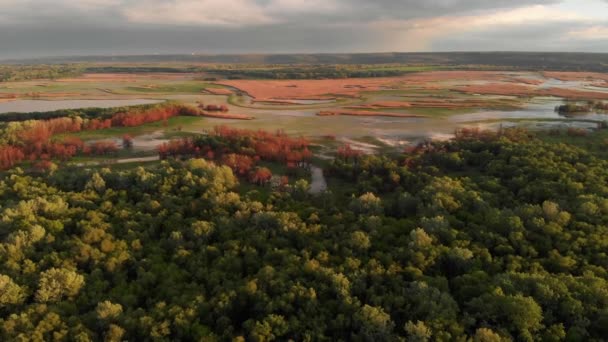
{"x": 574, "y": 108}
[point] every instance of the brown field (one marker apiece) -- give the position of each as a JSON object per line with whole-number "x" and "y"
{"x": 454, "y": 104}
{"x": 270, "y": 90}
{"x": 126, "y": 77}
{"x": 54, "y": 95}
{"x": 527, "y": 91}
{"x": 228, "y": 116}
{"x": 365, "y": 113}
{"x": 441, "y": 76}
{"x": 497, "y": 89}
{"x": 277, "y": 102}
{"x": 38, "y": 95}
{"x": 576, "y": 76}
{"x": 449, "y": 103}
{"x": 527, "y": 81}
{"x": 265, "y": 90}
{"x": 219, "y": 91}
{"x": 384, "y": 104}
{"x": 573, "y": 94}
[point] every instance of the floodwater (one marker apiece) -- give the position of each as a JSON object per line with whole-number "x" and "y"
{"x": 318, "y": 184}
{"x": 538, "y": 113}
{"x": 391, "y": 131}
{"x": 540, "y": 108}
{"x": 26, "y": 106}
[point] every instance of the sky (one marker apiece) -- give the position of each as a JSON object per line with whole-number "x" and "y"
{"x": 40, "y": 28}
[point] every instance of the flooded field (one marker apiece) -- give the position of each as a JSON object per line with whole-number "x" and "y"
{"x": 438, "y": 102}
{"x": 537, "y": 113}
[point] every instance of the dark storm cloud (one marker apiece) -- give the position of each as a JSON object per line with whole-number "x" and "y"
{"x": 67, "y": 27}
{"x": 409, "y": 9}
{"x": 41, "y": 12}
{"x": 533, "y": 37}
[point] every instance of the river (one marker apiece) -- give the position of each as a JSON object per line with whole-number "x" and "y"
{"x": 26, "y": 106}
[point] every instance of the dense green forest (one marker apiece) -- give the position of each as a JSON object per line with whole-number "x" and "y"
{"x": 489, "y": 237}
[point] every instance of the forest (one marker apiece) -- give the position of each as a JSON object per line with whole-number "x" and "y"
{"x": 487, "y": 237}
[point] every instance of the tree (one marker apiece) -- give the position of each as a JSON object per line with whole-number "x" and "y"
{"x": 114, "y": 334}
{"x": 58, "y": 283}
{"x": 374, "y": 323}
{"x": 270, "y": 328}
{"x": 486, "y": 335}
{"x": 417, "y": 332}
{"x": 260, "y": 175}
{"x": 368, "y": 204}
{"x": 96, "y": 183}
{"x": 127, "y": 142}
{"x": 10, "y": 293}
{"x": 107, "y": 310}
{"x": 519, "y": 314}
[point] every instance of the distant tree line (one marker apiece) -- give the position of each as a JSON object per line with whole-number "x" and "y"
{"x": 35, "y": 72}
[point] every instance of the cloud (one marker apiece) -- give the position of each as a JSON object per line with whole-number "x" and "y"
{"x": 43, "y": 12}
{"x": 246, "y": 12}
{"x": 596, "y": 32}
{"x": 198, "y": 12}
{"x": 255, "y": 12}
{"x": 60, "y": 27}
{"x": 422, "y": 34}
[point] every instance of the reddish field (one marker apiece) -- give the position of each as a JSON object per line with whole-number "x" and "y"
{"x": 264, "y": 90}
{"x": 576, "y": 76}
{"x": 497, "y": 89}
{"x": 573, "y": 94}
{"x": 384, "y": 104}
{"x": 269, "y": 90}
{"x": 365, "y": 113}
{"x": 438, "y": 76}
{"x": 527, "y": 81}
{"x": 11, "y": 96}
{"x": 228, "y": 116}
{"x": 428, "y": 103}
{"x": 126, "y": 77}
{"x": 521, "y": 90}
{"x": 277, "y": 102}
{"x": 219, "y": 91}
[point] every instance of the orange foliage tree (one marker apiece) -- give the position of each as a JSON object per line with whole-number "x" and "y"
{"x": 260, "y": 175}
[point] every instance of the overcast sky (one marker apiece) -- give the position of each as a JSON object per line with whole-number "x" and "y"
{"x": 35, "y": 28}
